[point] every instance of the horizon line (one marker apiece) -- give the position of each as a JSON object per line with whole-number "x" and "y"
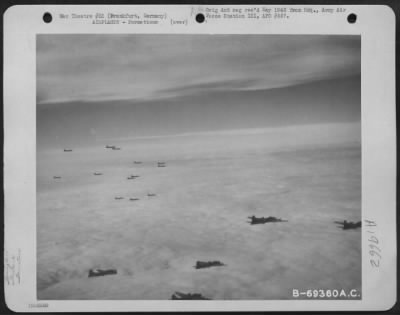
{"x": 231, "y": 132}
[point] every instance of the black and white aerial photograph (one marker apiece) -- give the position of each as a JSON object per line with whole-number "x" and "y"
{"x": 198, "y": 166}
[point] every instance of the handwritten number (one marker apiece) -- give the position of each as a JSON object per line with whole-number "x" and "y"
{"x": 374, "y": 263}
{"x": 374, "y": 253}
{"x": 372, "y": 246}
{"x": 369, "y": 223}
{"x": 374, "y": 239}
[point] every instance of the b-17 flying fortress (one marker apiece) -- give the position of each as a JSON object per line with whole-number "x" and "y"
{"x": 113, "y": 147}
{"x": 345, "y": 225}
{"x": 262, "y": 220}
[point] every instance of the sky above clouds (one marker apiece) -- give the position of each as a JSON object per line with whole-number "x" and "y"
{"x": 144, "y": 67}
{"x": 91, "y": 88}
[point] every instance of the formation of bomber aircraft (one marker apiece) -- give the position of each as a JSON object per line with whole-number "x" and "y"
{"x": 345, "y": 225}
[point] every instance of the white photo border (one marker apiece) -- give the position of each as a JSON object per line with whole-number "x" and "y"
{"x": 376, "y": 26}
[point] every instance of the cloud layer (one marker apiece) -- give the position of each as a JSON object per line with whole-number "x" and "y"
{"x": 148, "y": 67}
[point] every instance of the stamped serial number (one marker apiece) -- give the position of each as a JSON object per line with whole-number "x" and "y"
{"x": 326, "y": 294}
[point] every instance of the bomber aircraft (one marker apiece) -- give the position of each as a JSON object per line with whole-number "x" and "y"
{"x": 262, "y": 220}
{"x": 345, "y": 225}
